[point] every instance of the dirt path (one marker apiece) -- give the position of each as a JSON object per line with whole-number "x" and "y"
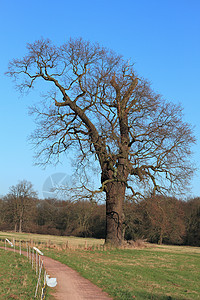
{"x": 71, "y": 286}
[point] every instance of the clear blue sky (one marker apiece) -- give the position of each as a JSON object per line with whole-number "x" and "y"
{"x": 161, "y": 37}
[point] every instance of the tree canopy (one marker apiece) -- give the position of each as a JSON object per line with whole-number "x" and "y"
{"x": 99, "y": 107}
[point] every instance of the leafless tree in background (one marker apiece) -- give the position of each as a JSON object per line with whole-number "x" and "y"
{"x": 20, "y": 200}
{"x": 98, "y": 107}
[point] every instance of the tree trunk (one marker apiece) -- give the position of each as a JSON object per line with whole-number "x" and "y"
{"x": 115, "y": 194}
{"x": 20, "y": 221}
{"x": 161, "y": 237}
{"x": 20, "y": 225}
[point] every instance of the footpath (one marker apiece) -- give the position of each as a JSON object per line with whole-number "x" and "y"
{"x": 70, "y": 284}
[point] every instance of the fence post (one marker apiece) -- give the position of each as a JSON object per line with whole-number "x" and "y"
{"x": 14, "y": 244}
{"x": 38, "y": 279}
{"x": 32, "y": 258}
{"x": 39, "y": 262}
{"x": 36, "y": 262}
{"x": 43, "y": 287}
{"x": 27, "y": 249}
{"x": 29, "y": 254}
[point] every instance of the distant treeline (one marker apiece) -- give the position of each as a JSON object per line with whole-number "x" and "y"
{"x": 157, "y": 219}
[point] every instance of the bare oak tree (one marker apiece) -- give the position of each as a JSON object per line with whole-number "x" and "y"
{"x": 99, "y": 106}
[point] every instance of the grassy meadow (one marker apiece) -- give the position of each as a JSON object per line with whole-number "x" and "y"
{"x": 17, "y": 279}
{"x": 51, "y": 239}
{"x": 153, "y": 272}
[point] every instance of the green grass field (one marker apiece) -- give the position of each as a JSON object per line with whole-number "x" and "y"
{"x": 141, "y": 274}
{"x": 155, "y": 272}
{"x": 17, "y": 279}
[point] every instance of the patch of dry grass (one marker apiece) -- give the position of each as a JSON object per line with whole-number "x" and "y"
{"x": 52, "y": 239}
